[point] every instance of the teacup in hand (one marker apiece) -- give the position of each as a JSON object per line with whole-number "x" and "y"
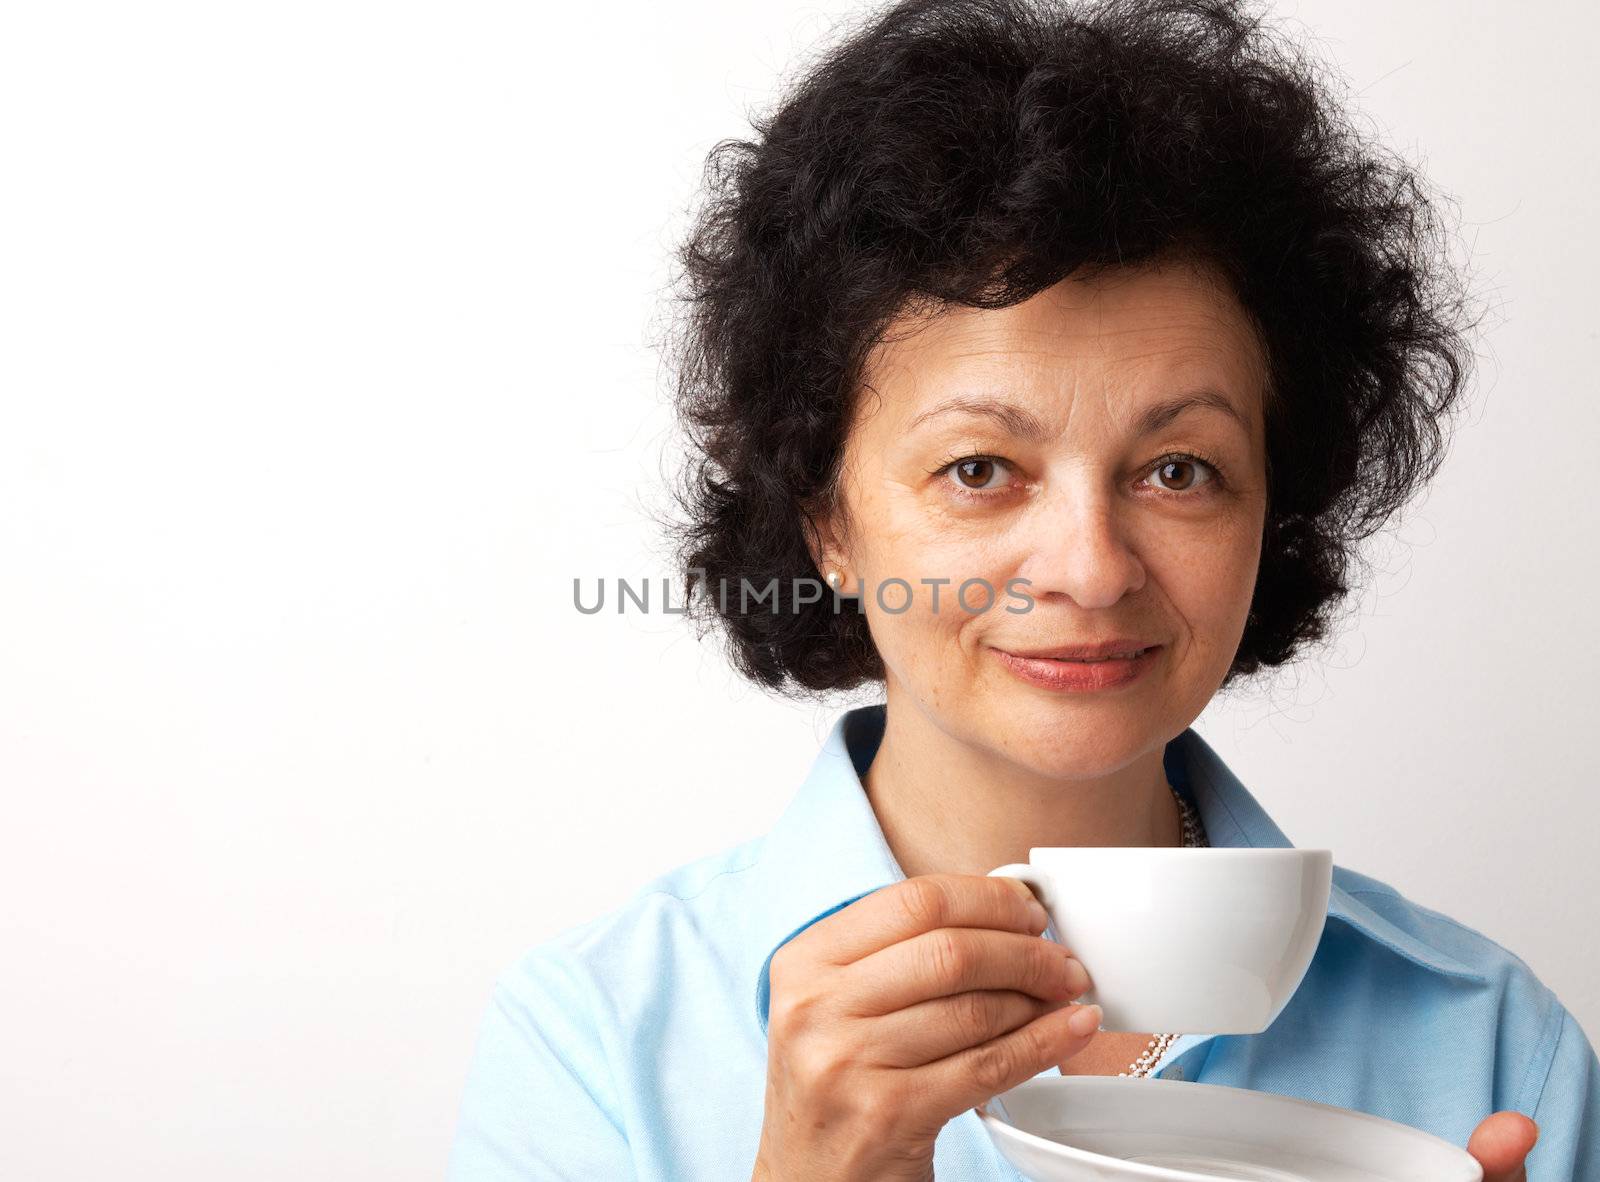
{"x": 1208, "y": 940}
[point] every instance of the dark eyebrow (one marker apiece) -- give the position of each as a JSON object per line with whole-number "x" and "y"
{"x": 1025, "y": 425}
{"x": 1154, "y": 418}
{"x": 1021, "y": 423}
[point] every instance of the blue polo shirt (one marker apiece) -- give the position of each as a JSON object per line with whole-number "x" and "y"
{"x": 634, "y": 1045}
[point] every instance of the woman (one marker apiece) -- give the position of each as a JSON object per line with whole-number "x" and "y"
{"x": 1103, "y": 323}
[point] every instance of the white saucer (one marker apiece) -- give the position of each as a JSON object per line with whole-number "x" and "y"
{"x": 1101, "y": 1128}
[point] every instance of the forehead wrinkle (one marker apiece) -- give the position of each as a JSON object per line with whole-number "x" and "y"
{"x": 1055, "y": 347}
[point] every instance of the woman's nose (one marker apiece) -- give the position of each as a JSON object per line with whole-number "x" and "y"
{"x": 1078, "y": 545}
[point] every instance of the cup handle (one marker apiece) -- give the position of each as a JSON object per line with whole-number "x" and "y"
{"x": 1035, "y": 878}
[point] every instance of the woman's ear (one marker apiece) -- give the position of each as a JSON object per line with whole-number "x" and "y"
{"x": 822, "y": 536}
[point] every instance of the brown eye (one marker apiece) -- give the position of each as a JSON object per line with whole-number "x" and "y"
{"x": 976, "y": 476}
{"x": 1180, "y": 465}
{"x": 1180, "y": 474}
{"x": 975, "y": 473}
{"x": 980, "y": 473}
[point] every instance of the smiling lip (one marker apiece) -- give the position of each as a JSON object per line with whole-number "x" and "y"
{"x": 1079, "y": 676}
{"x": 1084, "y": 652}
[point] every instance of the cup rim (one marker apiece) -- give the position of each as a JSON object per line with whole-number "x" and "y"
{"x": 1152, "y": 850}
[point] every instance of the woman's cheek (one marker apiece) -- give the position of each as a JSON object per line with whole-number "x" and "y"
{"x": 1211, "y": 588}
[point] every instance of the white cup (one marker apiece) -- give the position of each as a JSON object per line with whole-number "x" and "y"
{"x": 1210, "y": 940}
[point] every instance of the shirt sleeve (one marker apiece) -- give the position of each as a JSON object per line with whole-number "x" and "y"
{"x": 538, "y": 1106}
{"x": 1567, "y": 1111}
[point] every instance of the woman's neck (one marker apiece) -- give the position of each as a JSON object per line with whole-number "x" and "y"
{"x": 946, "y": 806}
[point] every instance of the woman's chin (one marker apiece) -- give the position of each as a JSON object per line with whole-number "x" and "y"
{"x": 1065, "y": 739}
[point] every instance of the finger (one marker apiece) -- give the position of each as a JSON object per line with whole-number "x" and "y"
{"x": 941, "y": 1026}
{"x": 954, "y": 960}
{"x": 920, "y": 904}
{"x": 1501, "y": 1143}
{"x": 976, "y": 1075}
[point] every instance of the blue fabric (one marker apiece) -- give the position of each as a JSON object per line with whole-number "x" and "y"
{"x": 634, "y": 1046}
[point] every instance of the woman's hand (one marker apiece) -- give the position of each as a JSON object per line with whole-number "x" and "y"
{"x": 1501, "y": 1143}
{"x": 901, "y": 1011}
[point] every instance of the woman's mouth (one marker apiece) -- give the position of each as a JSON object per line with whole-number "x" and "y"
{"x": 1079, "y": 674}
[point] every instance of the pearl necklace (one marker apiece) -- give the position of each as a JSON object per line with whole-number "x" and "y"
{"x": 1194, "y": 835}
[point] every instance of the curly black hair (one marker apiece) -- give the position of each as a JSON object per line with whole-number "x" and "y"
{"x": 975, "y": 152}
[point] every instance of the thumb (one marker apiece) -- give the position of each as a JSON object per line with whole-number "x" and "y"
{"x": 1501, "y": 1143}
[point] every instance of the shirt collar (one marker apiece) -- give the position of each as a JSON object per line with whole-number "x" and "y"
{"x": 827, "y": 849}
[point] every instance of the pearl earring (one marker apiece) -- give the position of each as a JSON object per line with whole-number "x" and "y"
{"x": 834, "y": 579}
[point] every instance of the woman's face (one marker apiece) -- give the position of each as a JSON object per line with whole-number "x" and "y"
{"x": 1020, "y": 444}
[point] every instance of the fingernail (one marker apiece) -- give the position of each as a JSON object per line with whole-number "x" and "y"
{"x": 1085, "y": 1021}
{"x": 1077, "y": 976}
{"x": 1041, "y": 917}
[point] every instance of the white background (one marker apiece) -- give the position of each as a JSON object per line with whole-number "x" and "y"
{"x": 326, "y": 344}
